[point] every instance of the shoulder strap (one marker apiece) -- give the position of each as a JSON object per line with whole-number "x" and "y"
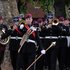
{"x": 27, "y": 27}
{"x": 18, "y": 31}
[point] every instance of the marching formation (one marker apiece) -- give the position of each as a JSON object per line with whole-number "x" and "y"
{"x": 36, "y": 44}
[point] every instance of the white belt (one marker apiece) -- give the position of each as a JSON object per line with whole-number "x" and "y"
{"x": 48, "y": 37}
{"x": 16, "y": 37}
{"x": 29, "y": 40}
{"x": 62, "y": 36}
{"x": 32, "y": 41}
{"x": 52, "y": 37}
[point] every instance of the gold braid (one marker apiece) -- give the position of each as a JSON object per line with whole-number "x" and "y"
{"x": 21, "y": 21}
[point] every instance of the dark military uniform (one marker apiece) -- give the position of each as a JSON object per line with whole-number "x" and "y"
{"x": 13, "y": 47}
{"x": 2, "y": 47}
{"x": 41, "y": 62}
{"x": 49, "y": 59}
{"x": 62, "y": 44}
{"x": 65, "y": 47}
{"x": 54, "y": 52}
{"x": 60, "y": 50}
{"x": 51, "y": 55}
{"x": 27, "y": 53}
{"x": 13, "y": 44}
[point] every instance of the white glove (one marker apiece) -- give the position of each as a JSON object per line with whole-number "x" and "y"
{"x": 33, "y": 28}
{"x": 3, "y": 30}
{"x": 21, "y": 26}
{"x": 43, "y": 51}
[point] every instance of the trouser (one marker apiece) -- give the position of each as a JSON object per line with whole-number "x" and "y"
{"x": 51, "y": 58}
{"x": 26, "y": 56}
{"x": 62, "y": 45}
{"x": 2, "y": 49}
{"x": 42, "y": 62}
{"x": 51, "y": 54}
{"x": 1, "y": 58}
{"x": 67, "y": 63}
{"x": 57, "y": 52}
{"x": 13, "y": 47}
{"x": 13, "y": 56}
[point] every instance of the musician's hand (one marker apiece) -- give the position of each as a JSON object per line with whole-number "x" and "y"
{"x": 49, "y": 26}
{"x": 29, "y": 31}
{"x": 43, "y": 51}
{"x": 3, "y": 30}
{"x": 14, "y": 27}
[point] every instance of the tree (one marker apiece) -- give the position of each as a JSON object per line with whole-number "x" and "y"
{"x": 46, "y": 5}
{"x": 8, "y": 9}
{"x": 59, "y": 6}
{"x": 21, "y": 6}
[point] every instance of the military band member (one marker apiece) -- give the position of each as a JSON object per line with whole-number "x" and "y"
{"x": 3, "y": 28}
{"x": 54, "y": 29}
{"x": 59, "y": 51}
{"x": 28, "y": 51}
{"x": 14, "y": 42}
{"x": 42, "y": 33}
{"x": 67, "y": 28}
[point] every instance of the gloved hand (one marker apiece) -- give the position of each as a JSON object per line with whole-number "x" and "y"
{"x": 43, "y": 51}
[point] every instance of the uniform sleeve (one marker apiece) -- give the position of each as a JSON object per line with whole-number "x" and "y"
{"x": 65, "y": 31}
{"x": 39, "y": 43}
{"x": 6, "y": 34}
{"x": 22, "y": 29}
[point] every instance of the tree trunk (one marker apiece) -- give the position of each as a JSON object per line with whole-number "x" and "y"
{"x": 8, "y": 9}
{"x": 59, "y": 6}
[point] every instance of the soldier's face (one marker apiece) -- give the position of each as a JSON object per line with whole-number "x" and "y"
{"x": 40, "y": 24}
{"x": 66, "y": 22}
{"x": 29, "y": 20}
{"x": 50, "y": 20}
{"x": 1, "y": 21}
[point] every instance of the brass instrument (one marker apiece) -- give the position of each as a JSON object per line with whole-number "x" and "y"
{"x": 22, "y": 21}
{"x": 25, "y": 37}
{"x": 6, "y": 40}
{"x": 55, "y": 21}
